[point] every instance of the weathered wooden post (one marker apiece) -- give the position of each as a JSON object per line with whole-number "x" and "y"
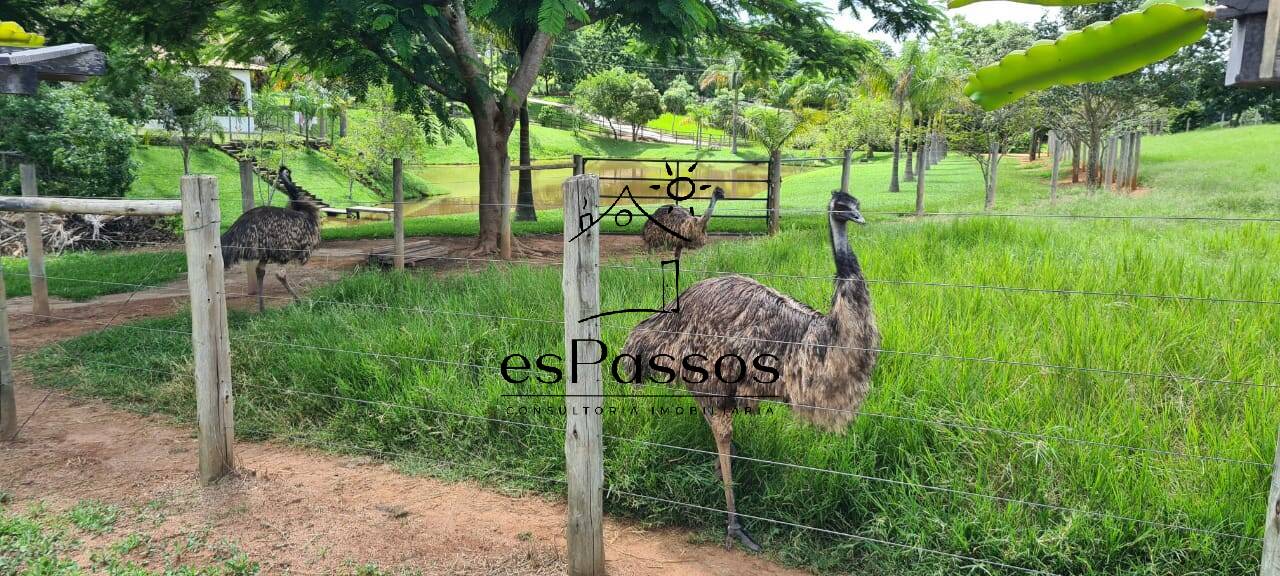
{"x": 583, "y": 445}
{"x": 1122, "y": 163}
{"x": 246, "y": 204}
{"x": 578, "y": 164}
{"x": 775, "y": 190}
{"x": 1137, "y": 156}
{"x": 504, "y": 236}
{"x": 8, "y": 400}
{"x": 397, "y": 214}
{"x": 209, "y": 339}
{"x": 845, "y": 169}
{"x": 35, "y": 248}
{"x": 1271, "y": 526}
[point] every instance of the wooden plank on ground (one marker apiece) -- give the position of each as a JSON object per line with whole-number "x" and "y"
{"x": 419, "y": 253}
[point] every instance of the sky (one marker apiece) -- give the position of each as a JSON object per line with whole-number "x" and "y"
{"x": 979, "y": 13}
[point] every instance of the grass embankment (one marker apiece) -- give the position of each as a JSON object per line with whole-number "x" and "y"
{"x": 160, "y": 169}
{"x": 931, "y": 330}
{"x": 683, "y": 124}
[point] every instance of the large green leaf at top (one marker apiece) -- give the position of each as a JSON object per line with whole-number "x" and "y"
{"x": 959, "y": 3}
{"x": 1100, "y": 51}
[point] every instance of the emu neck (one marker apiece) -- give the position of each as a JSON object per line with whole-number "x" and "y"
{"x": 851, "y": 288}
{"x": 706, "y": 216}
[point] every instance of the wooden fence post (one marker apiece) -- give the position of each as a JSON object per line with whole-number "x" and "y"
{"x": 246, "y": 204}
{"x": 8, "y": 402}
{"x": 1137, "y": 156}
{"x": 504, "y": 236}
{"x": 845, "y": 169}
{"x": 583, "y": 446}
{"x": 775, "y": 190}
{"x": 209, "y": 340}
{"x": 35, "y": 248}
{"x": 578, "y": 164}
{"x": 397, "y": 215}
{"x": 1271, "y": 526}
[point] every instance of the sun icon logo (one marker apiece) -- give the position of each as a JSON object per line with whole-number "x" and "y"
{"x": 677, "y": 184}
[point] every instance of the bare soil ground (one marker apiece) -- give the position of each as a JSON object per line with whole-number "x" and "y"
{"x": 293, "y": 510}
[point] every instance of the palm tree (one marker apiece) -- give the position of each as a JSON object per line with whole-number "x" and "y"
{"x": 915, "y": 76}
{"x": 699, "y": 113}
{"x": 722, "y": 74}
{"x": 772, "y": 127}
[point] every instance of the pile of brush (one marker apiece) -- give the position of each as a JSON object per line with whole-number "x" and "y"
{"x": 63, "y": 232}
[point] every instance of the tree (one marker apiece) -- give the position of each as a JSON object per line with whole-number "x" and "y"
{"x": 308, "y": 101}
{"x": 678, "y": 96}
{"x": 78, "y": 148}
{"x": 985, "y": 136}
{"x": 721, "y": 75}
{"x": 185, "y": 103}
{"x": 607, "y": 94}
{"x": 863, "y": 123}
{"x": 771, "y": 127}
{"x": 699, "y": 112}
{"x": 645, "y": 104}
{"x": 427, "y": 52}
{"x": 386, "y": 134}
{"x": 915, "y": 76}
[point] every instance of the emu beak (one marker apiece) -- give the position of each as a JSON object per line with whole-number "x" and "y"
{"x": 858, "y": 219}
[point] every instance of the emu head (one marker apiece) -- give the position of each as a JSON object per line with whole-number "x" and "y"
{"x": 718, "y": 194}
{"x": 845, "y": 208}
{"x": 286, "y": 178}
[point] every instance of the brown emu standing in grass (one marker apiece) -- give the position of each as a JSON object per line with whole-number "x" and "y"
{"x": 825, "y": 377}
{"x": 275, "y": 234}
{"x": 680, "y": 220}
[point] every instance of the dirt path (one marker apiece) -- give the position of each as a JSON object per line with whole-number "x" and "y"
{"x": 300, "y": 511}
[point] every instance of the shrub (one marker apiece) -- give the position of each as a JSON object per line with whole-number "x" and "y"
{"x": 556, "y": 117}
{"x": 78, "y": 148}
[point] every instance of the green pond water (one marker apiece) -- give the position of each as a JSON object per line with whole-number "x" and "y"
{"x": 456, "y": 188}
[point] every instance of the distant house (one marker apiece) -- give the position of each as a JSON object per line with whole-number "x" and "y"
{"x": 240, "y": 98}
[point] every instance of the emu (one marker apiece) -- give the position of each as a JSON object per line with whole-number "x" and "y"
{"x": 824, "y": 362}
{"x": 275, "y": 234}
{"x": 680, "y": 220}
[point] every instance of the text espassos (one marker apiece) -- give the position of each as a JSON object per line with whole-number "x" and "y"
{"x": 661, "y": 368}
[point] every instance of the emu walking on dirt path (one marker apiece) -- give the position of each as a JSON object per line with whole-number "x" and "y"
{"x": 823, "y": 362}
{"x": 680, "y": 220}
{"x": 275, "y": 234}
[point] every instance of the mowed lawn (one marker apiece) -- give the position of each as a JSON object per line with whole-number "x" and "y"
{"x": 1026, "y": 360}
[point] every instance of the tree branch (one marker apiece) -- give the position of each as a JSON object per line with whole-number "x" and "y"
{"x": 526, "y": 74}
{"x": 472, "y": 70}
{"x": 407, "y": 72}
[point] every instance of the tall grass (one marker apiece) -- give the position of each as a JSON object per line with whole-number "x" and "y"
{"x": 943, "y": 365}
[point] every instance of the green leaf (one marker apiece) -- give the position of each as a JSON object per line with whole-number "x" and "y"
{"x": 1101, "y": 51}
{"x": 483, "y": 8}
{"x": 383, "y": 21}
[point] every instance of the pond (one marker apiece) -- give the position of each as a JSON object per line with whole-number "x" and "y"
{"x": 456, "y": 188}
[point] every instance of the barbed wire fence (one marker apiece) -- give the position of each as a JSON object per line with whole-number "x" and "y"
{"x": 584, "y": 477}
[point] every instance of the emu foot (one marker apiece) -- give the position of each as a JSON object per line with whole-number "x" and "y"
{"x": 741, "y": 535}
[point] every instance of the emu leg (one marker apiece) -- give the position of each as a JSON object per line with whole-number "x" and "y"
{"x": 284, "y": 279}
{"x": 261, "y": 272}
{"x": 679, "y": 247}
{"x": 722, "y": 428}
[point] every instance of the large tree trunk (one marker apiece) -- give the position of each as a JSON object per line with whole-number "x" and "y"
{"x": 342, "y": 124}
{"x": 525, "y": 209}
{"x": 1075, "y": 161}
{"x": 910, "y": 175}
{"x": 491, "y": 149}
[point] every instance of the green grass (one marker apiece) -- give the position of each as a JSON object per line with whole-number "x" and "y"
{"x": 41, "y": 543}
{"x": 1227, "y": 173}
{"x": 684, "y": 124}
{"x": 87, "y": 275}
